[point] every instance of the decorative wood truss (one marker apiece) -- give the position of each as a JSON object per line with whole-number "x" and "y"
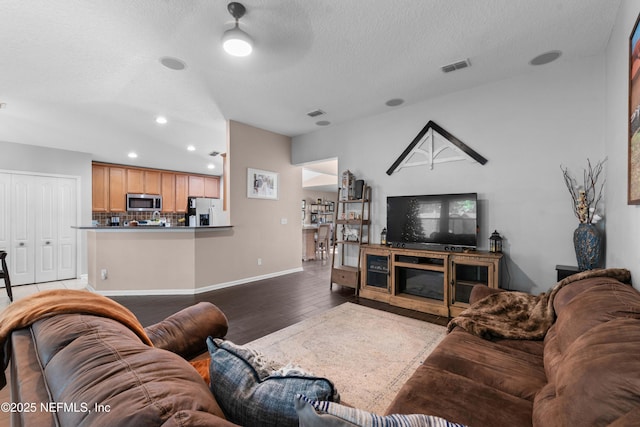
{"x": 427, "y": 149}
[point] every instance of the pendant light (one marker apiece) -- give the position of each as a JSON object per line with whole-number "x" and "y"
{"x": 235, "y": 41}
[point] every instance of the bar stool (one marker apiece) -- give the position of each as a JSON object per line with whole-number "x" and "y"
{"x": 4, "y": 273}
{"x": 322, "y": 242}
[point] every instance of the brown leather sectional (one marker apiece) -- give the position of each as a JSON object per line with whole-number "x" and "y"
{"x": 586, "y": 372}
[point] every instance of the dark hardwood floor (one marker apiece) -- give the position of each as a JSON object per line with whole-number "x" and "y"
{"x": 259, "y": 308}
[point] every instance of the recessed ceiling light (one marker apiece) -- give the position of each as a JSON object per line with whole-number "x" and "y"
{"x": 394, "y": 102}
{"x": 191, "y": 148}
{"x": 211, "y": 166}
{"x": 132, "y": 155}
{"x": 546, "y": 57}
{"x": 161, "y": 120}
{"x": 323, "y": 123}
{"x": 173, "y": 63}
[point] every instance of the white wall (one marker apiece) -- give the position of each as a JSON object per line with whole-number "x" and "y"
{"x": 623, "y": 225}
{"x": 526, "y": 127}
{"x": 269, "y": 230}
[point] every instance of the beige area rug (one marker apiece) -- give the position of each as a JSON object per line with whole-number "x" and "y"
{"x": 368, "y": 354}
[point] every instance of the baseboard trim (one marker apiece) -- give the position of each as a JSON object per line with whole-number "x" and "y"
{"x": 155, "y": 292}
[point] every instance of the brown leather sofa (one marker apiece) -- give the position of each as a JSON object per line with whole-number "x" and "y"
{"x": 586, "y": 371}
{"x": 87, "y": 370}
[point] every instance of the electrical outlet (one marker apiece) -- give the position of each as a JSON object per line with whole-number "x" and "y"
{"x": 283, "y": 221}
{"x": 103, "y": 274}
{"x": 259, "y": 261}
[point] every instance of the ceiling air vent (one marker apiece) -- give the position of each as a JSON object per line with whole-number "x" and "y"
{"x": 455, "y": 66}
{"x": 315, "y": 113}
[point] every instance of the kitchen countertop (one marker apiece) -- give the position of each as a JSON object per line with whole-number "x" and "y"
{"x": 146, "y": 228}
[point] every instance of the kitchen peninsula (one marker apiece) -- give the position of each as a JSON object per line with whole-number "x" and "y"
{"x": 153, "y": 260}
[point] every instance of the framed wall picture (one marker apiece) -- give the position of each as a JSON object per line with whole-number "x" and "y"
{"x": 634, "y": 116}
{"x": 262, "y": 184}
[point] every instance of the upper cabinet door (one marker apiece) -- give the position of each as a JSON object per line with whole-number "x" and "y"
{"x": 135, "y": 181}
{"x": 196, "y": 186}
{"x": 182, "y": 192}
{"x": 100, "y": 185}
{"x": 143, "y": 182}
{"x": 152, "y": 182}
{"x": 212, "y": 187}
{"x": 117, "y": 190}
{"x": 168, "y": 192}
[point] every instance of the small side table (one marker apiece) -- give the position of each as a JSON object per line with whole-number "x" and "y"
{"x": 566, "y": 271}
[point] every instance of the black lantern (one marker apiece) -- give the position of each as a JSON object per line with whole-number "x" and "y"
{"x": 383, "y": 236}
{"x": 495, "y": 242}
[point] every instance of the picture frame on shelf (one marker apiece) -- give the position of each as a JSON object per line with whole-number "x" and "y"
{"x": 633, "y": 187}
{"x": 262, "y": 184}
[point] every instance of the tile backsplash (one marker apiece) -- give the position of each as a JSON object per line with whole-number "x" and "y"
{"x": 104, "y": 218}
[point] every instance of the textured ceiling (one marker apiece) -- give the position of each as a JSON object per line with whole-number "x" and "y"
{"x": 84, "y": 75}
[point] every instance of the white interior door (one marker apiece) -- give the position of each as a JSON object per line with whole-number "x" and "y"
{"x": 67, "y": 236}
{"x": 22, "y": 213}
{"x": 46, "y": 229}
{"x": 5, "y": 193}
{"x": 36, "y": 215}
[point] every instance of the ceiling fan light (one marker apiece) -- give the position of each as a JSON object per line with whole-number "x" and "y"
{"x": 236, "y": 42}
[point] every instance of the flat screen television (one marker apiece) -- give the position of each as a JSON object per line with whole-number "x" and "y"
{"x": 433, "y": 221}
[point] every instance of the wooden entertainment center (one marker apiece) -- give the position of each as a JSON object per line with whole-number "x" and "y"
{"x": 430, "y": 281}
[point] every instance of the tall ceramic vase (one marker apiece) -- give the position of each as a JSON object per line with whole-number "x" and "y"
{"x": 588, "y": 244}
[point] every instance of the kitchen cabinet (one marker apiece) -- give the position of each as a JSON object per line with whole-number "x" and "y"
{"x": 168, "y": 191}
{"x": 117, "y": 189}
{"x": 152, "y": 182}
{"x": 202, "y": 186}
{"x": 182, "y": 192}
{"x": 141, "y": 181}
{"x": 212, "y": 187}
{"x": 111, "y": 183}
{"x": 135, "y": 181}
{"x": 196, "y": 186}
{"x": 100, "y": 188}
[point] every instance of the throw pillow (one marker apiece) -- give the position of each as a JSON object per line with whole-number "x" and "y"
{"x": 313, "y": 413}
{"x": 254, "y": 391}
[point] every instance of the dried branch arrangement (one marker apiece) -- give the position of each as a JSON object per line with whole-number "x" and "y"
{"x": 585, "y": 197}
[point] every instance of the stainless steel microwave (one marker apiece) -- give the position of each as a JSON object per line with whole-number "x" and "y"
{"x": 144, "y": 202}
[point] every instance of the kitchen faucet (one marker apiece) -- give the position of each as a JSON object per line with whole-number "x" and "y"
{"x": 153, "y": 216}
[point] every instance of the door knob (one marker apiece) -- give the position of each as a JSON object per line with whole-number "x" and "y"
{"x": 21, "y": 243}
{"x": 47, "y": 243}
